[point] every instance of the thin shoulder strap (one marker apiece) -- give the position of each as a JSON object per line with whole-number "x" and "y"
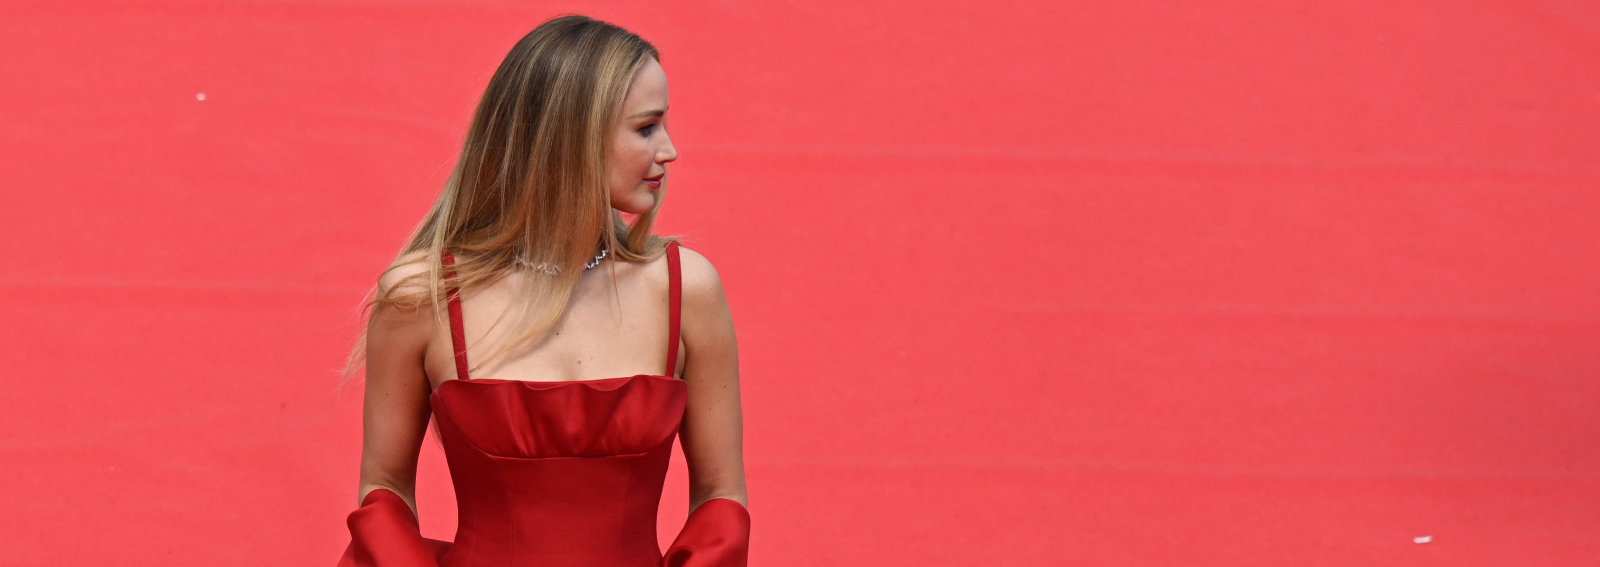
{"x": 458, "y": 336}
{"x": 674, "y": 307}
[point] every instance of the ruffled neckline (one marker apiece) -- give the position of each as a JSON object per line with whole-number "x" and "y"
{"x": 527, "y": 419}
{"x": 606, "y": 384}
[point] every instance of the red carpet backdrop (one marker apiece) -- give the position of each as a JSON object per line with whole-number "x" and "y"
{"x": 1017, "y": 283}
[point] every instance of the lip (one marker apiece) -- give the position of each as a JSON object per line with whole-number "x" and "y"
{"x": 654, "y": 182}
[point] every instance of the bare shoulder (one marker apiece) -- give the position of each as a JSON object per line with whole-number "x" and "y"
{"x": 398, "y": 329}
{"x": 408, "y": 275}
{"x": 702, "y": 285}
{"x": 407, "y": 281}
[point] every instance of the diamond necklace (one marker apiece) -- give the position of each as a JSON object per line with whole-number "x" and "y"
{"x": 553, "y": 270}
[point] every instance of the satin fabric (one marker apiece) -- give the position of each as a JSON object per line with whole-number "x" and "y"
{"x": 555, "y": 474}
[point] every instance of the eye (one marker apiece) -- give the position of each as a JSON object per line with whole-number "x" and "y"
{"x": 647, "y": 129}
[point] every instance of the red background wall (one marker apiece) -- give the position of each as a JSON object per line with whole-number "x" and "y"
{"x": 1017, "y": 283}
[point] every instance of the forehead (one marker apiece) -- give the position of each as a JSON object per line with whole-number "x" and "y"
{"x": 649, "y": 87}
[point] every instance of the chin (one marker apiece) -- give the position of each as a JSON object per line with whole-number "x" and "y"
{"x": 637, "y": 204}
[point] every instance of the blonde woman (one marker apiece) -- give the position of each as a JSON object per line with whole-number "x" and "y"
{"x": 558, "y": 346}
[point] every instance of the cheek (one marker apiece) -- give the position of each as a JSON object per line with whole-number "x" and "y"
{"x": 641, "y": 157}
{"x": 631, "y": 161}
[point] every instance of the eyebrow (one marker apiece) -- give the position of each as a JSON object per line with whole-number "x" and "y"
{"x": 650, "y": 113}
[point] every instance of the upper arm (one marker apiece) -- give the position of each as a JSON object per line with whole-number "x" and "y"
{"x": 712, "y": 429}
{"x": 395, "y": 406}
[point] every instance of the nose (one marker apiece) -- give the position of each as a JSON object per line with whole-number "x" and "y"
{"x": 668, "y": 152}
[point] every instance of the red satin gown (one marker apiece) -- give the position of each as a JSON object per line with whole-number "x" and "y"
{"x": 555, "y": 474}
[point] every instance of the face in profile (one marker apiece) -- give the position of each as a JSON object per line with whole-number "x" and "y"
{"x": 640, "y": 148}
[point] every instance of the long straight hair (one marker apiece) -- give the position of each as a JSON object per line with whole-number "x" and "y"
{"x": 532, "y": 182}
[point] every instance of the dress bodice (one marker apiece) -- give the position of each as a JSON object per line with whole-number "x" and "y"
{"x": 555, "y": 474}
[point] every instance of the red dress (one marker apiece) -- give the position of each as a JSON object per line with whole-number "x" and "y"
{"x": 555, "y": 474}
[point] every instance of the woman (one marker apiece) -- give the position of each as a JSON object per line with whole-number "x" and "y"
{"x": 557, "y": 425}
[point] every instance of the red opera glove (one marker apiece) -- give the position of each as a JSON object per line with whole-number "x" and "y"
{"x": 717, "y": 534}
{"x": 384, "y": 533}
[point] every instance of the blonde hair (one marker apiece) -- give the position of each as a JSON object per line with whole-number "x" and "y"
{"x": 531, "y": 181}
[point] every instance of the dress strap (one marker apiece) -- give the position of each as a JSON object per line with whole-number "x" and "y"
{"x": 458, "y": 334}
{"x": 674, "y": 307}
